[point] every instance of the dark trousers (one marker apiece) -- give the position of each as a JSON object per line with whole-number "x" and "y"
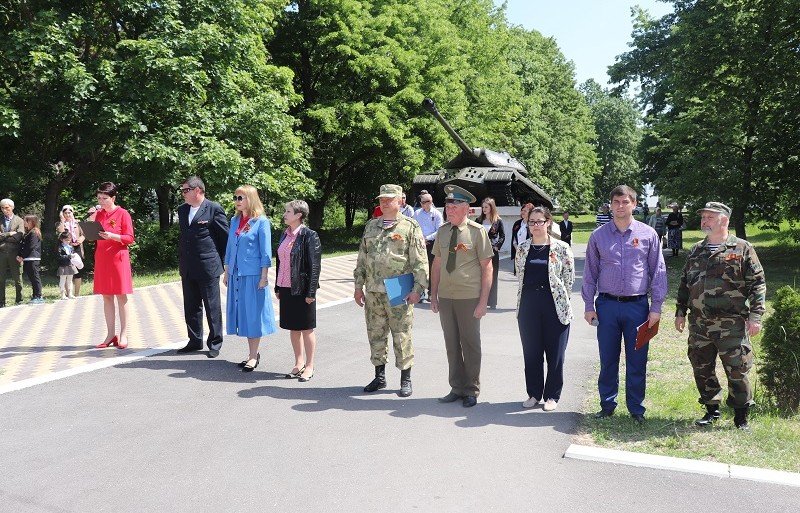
{"x": 429, "y": 250}
{"x": 542, "y": 336}
{"x": 31, "y": 270}
{"x": 493, "y": 292}
{"x": 196, "y": 295}
{"x": 462, "y": 339}
{"x": 9, "y": 267}
{"x": 618, "y": 321}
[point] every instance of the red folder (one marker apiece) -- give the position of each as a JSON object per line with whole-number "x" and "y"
{"x": 645, "y": 333}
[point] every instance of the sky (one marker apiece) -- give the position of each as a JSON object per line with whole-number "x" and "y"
{"x": 591, "y": 33}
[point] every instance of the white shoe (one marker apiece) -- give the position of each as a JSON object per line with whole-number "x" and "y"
{"x": 532, "y": 402}
{"x": 72, "y": 297}
{"x": 550, "y": 405}
{"x": 63, "y": 296}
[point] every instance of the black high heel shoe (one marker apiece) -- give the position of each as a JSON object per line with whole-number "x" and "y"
{"x": 248, "y": 368}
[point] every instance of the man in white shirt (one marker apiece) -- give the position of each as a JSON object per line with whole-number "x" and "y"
{"x": 429, "y": 219}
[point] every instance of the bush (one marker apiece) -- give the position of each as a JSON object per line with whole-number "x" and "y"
{"x": 780, "y": 347}
{"x": 155, "y": 250}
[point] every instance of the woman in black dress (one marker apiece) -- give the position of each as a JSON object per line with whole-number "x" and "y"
{"x": 491, "y": 221}
{"x": 674, "y": 233}
{"x": 297, "y": 268}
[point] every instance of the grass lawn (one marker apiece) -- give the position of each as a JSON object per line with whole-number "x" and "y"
{"x": 774, "y": 439}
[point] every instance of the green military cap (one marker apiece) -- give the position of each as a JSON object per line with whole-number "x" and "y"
{"x": 456, "y": 193}
{"x": 715, "y": 206}
{"x": 389, "y": 190}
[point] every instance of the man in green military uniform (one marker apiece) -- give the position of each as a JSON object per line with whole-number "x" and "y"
{"x": 723, "y": 289}
{"x": 392, "y": 245}
{"x": 460, "y": 291}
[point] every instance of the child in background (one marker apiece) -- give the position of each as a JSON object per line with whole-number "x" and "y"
{"x": 66, "y": 269}
{"x": 30, "y": 255}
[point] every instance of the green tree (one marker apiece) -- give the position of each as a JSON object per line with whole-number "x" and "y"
{"x": 556, "y": 133}
{"x": 363, "y": 67}
{"x": 617, "y": 123}
{"x": 143, "y": 93}
{"x": 719, "y": 81}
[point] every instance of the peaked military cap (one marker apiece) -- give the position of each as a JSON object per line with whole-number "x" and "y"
{"x": 456, "y": 193}
{"x": 389, "y": 190}
{"x": 715, "y": 206}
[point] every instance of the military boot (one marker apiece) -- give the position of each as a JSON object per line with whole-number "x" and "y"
{"x": 405, "y": 383}
{"x": 711, "y": 416}
{"x": 379, "y": 381}
{"x": 740, "y": 418}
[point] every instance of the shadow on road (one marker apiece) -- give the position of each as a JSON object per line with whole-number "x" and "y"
{"x": 354, "y": 399}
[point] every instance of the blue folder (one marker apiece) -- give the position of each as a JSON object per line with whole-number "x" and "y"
{"x": 398, "y": 287}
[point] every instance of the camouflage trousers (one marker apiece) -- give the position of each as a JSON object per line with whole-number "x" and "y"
{"x": 383, "y": 318}
{"x": 706, "y": 342}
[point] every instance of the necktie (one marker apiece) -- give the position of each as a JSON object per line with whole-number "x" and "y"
{"x": 451, "y": 250}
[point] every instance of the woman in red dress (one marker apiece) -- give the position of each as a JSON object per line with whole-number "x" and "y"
{"x": 112, "y": 262}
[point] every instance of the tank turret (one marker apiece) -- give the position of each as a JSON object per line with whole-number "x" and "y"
{"x": 481, "y": 171}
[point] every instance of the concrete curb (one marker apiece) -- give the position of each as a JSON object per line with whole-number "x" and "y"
{"x": 710, "y": 468}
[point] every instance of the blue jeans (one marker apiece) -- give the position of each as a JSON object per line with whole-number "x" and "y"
{"x": 619, "y": 321}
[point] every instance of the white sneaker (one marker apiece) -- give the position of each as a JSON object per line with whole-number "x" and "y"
{"x": 532, "y": 402}
{"x": 550, "y": 405}
{"x": 63, "y": 296}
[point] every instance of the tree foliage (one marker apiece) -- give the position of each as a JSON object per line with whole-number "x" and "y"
{"x": 719, "y": 81}
{"x": 555, "y": 138}
{"x": 617, "y": 125}
{"x": 318, "y": 99}
{"x": 143, "y": 93}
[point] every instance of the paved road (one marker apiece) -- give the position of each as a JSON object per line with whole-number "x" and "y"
{"x": 169, "y": 433}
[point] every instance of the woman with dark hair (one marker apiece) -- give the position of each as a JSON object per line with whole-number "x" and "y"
{"x": 546, "y": 272}
{"x": 297, "y": 269}
{"x": 674, "y": 233}
{"x": 491, "y": 221}
{"x": 30, "y": 256}
{"x": 112, "y": 262}
{"x": 519, "y": 231}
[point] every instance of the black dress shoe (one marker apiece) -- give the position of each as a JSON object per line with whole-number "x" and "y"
{"x": 250, "y": 368}
{"x": 603, "y": 414}
{"x": 638, "y": 418}
{"x": 213, "y": 353}
{"x": 189, "y": 348}
{"x": 449, "y": 398}
{"x": 470, "y": 401}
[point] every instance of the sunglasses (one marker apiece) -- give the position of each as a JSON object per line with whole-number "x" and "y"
{"x": 184, "y": 190}
{"x": 537, "y": 223}
{"x": 238, "y": 198}
{"x": 66, "y": 210}
{"x": 426, "y": 201}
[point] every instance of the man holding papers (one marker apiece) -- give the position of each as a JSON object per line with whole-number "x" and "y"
{"x": 623, "y": 264}
{"x": 460, "y": 292}
{"x": 723, "y": 290}
{"x": 392, "y": 245}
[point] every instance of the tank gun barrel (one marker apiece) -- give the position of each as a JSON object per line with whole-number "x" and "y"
{"x": 430, "y": 106}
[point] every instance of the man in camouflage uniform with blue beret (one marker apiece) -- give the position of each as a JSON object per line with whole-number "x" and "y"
{"x": 723, "y": 289}
{"x": 392, "y": 245}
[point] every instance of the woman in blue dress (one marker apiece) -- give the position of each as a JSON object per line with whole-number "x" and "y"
{"x": 248, "y": 257}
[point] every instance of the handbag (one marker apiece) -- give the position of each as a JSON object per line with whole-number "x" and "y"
{"x": 76, "y": 260}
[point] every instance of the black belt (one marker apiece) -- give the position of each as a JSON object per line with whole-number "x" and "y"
{"x": 623, "y": 299}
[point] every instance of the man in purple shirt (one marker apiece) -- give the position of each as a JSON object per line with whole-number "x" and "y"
{"x": 623, "y": 263}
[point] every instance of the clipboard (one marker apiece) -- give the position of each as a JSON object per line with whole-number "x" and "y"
{"x": 398, "y": 287}
{"x": 91, "y": 229}
{"x": 645, "y": 333}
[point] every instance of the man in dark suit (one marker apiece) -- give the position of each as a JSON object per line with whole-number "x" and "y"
{"x": 201, "y": 251}
{"x": 566, "y": 227}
